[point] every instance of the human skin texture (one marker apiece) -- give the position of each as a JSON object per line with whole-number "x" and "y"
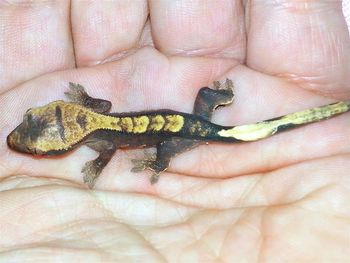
{"x": 285, "y": 198}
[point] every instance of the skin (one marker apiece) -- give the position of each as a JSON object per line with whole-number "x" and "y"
{"x": 285, "y": 198}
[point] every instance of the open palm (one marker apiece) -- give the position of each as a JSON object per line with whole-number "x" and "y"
{"x": 285, "y": 198}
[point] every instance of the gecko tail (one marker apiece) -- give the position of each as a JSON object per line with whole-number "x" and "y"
{"x": 264, "y": 129}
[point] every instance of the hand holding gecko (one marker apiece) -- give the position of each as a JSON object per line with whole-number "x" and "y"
{"x": 216, "y": 201}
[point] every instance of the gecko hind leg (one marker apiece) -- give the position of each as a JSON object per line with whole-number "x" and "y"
{"x": 78, "y": 95}
{"x": 209, "y": 100}
{"x": 159, "y": 162}
{"x": 206, "y": 102}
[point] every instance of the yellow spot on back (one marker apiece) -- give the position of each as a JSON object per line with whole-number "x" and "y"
{"x": 174, "y": 123}
{"x": 196, "y": 128}
{"x": 157, "y": 123}
{"x": 140, "y": 124}
{"x": 126, "y": 124}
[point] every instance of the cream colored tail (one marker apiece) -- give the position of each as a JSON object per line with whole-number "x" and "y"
{"x": 260, "y": 130}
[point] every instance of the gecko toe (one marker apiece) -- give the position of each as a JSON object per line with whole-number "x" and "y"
{"x": 228, "y": 85}
{"x": 154, "y": 178}
{"x": 145, "y": 163}
{"x": 217, "y": 85}
{"x": 76, "y": 93}
{"x": 141, "y": 165}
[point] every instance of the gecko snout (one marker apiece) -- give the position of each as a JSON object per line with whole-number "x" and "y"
{"x": 15, "y": 141}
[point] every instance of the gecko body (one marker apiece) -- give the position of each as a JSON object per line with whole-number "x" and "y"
{"x": 60, "y": 126}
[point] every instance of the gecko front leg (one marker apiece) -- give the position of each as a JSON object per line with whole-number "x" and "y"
{"x": 104, "y": 144}
{"x": 78, "y": 95}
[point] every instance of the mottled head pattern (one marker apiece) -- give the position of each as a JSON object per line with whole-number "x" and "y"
{"x": 55, "y": 128}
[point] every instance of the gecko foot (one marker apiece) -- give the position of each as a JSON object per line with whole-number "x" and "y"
{"x": 227, "y": 86}
{"x": 144, "y": 164}
{"x": 91, "y": 171}
{"x": 223, "y": 93}
{"x": 151, "y": 163}
{"x": 76, "y": 93}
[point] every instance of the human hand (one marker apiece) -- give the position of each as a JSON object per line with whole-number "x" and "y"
{"x": 283, "y": 198}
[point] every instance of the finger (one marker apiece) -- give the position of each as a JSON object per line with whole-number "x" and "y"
{"x": 34, "y": 39}
{"x": 306, "y": 42}
{"x": 103, "y": 29}
{"x": 346, "y": 10}
{"x": 199, "y": 27}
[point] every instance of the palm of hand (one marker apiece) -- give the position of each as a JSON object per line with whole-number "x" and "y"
{"x": 277, "y": 199}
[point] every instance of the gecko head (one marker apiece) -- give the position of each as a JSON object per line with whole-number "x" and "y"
{"x": 25, "y": 137}
{"x": 38, "y": 134}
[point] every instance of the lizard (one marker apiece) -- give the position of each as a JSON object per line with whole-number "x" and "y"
{"x": 60, "y": 126}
